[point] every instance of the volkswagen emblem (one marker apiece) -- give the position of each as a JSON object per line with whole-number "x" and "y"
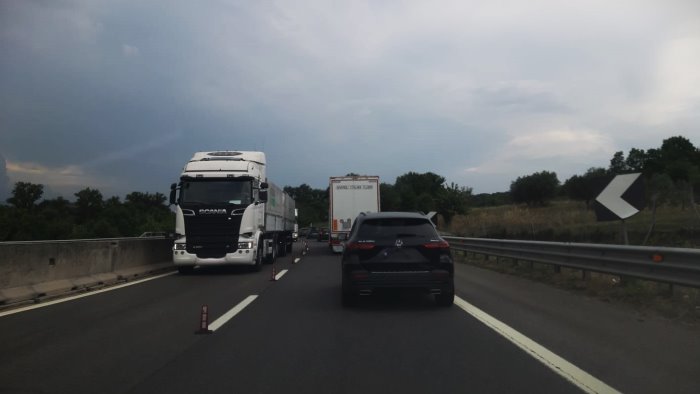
{"x": 399, "y": 243}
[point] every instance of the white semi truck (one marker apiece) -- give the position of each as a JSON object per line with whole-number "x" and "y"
{"x": 228, "y": 214}
{"x": 349, "y": 195}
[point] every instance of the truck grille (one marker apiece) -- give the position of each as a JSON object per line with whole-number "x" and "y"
{"x": 212, "y": 236}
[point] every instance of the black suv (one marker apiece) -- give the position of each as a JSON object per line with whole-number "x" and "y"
{"x": 396, "y": 250}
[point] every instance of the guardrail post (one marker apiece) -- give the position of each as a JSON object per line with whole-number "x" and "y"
{"x": 557, "y": 269}
{"x": 584, "y": 275}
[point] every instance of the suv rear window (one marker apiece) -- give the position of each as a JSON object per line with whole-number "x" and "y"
{"x": 393, "y": 228}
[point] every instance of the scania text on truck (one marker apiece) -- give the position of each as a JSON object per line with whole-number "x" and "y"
{"x": 349, "y": 195}
{"x": 228, "y": 214}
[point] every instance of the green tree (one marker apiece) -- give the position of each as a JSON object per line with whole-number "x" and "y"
{"x": 312, "y": 204}
{"x": 636, "y": 160}
{"x": 618, "y": 165}
{"x": 390, "y": 199}
{"x": 419, "y": 192}
{"x": 88, "y": 205}
{"x": 586, "y": 187}
{"x": 536, "y": 189}
{"x": 454, "y": 200}
{"x": 25, "y": 195}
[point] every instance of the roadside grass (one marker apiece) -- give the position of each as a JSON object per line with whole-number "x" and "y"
{"x": 677, "y": 303}
{"x": 570, "y": 221}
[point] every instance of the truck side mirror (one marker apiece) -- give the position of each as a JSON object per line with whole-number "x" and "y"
{"x": 173, "y": 189}
{"x": 262, "y": 195}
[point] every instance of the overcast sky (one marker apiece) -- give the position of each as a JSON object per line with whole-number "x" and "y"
{"x": 117, "y": 95}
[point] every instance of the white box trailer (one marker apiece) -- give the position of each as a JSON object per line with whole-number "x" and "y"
{"x": 349, "y": 196}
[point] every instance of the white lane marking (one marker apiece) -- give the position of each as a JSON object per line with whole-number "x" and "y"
{"x": 216, "y": 324}
{"x": 90, "y": 293}
{"x": 298, "y": 259}
{"x": 568, "y": 371}
{"x": 280, "y": 274}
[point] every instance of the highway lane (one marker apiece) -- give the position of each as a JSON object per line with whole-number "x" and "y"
{"x": 296, "y": 337}
{"x": 631, "y": 350}
{"x": 110, "y": 341}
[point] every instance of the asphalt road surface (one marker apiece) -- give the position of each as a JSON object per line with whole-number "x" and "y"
{"x": 296, "y": 337}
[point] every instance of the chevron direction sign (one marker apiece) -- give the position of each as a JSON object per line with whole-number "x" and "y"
{"x": 621, "y": 198}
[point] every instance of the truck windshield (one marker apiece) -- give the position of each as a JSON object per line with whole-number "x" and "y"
{"x": 237, "y": 192}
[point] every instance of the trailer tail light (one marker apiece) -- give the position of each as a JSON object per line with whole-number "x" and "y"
{"x": 436, "y": 245}
{"x": 360, "y": 246}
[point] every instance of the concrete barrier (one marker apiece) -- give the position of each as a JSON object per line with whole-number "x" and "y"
{"x": 38, "y": 268}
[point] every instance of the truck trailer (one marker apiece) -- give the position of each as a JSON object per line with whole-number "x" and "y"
{"x": 349, "y": 196}
{"x": 227, "y": 213}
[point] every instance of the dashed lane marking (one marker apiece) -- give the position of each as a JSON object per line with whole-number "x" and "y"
{"x": 216, "y": 324}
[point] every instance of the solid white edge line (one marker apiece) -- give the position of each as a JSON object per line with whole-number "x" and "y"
{"x": 570, "y": 372}
{"x": 216, "y": 324}
{"x": 280, "y": 274}
{"x": 87, "y": 294}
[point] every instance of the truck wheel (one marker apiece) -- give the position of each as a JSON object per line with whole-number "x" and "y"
{"x": 282, "y": 249}
{"x": 272, "y": 256}
{"x": 258, "y": 258}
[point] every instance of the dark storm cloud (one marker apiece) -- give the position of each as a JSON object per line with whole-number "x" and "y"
{"x": 118, "y": 95}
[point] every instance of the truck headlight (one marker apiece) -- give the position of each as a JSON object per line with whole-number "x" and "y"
{"x": 245, "y": 245}
{"x": 180, "y": 246}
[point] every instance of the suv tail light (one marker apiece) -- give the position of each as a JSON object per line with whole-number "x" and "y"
{"x": 436, "y": 245}
{"x": 360, "y": 246}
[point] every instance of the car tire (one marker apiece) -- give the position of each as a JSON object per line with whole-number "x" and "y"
{"x": 445, "y": 299}
{"x": 282, "y": 249}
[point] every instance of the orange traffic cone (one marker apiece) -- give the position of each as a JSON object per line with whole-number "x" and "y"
{"x": 204, "y": 321}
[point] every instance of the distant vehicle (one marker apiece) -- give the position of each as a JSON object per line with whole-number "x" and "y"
{"x": 312, "y": 234}
{"x": 337, "y": 241}
{"x": 392, "y": 250}
{"x": 303, "y": 232}
{"x": 228, "y": 213}
{"x": 349, "y": 195}
{"x": 323, "y": 234}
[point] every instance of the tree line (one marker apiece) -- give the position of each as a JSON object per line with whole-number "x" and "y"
{"x": 417, "y": 192}
{"x": 28, "y": 217}
{"x": 671, "y": 172}
{"x": 89, "y": 216}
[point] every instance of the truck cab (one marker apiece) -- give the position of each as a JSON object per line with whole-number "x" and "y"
{"x": 223, "y": 216}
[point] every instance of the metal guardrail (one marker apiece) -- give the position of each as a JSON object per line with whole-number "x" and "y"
{"x": 668, "y": 265}
{"x": 65, "y": 241}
